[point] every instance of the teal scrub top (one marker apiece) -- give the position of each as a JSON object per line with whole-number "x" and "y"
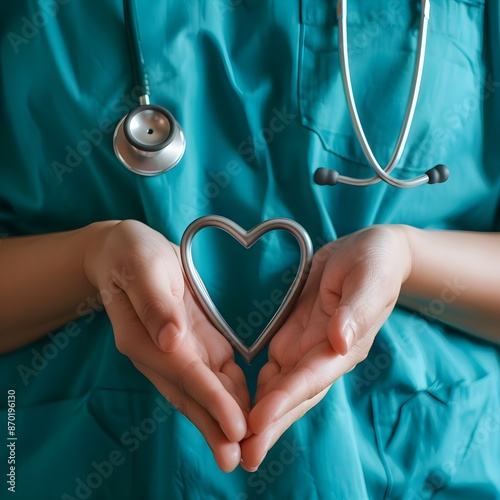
{"x": 257, "y": 88}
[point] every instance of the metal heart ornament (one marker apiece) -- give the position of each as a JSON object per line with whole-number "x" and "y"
{"x": 247, "y": 239}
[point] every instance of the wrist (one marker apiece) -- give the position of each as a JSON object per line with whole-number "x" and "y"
{"x": 410, "y": 236}
{"x": 95, "y": 239}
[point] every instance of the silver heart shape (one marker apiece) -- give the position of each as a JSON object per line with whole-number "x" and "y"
{"x": 247, "y": 239}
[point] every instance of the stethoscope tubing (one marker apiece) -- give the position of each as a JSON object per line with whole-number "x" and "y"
{"x": 146, "y": 157}
{"x": 383, "y": 173}
{"x": 135, "y": 45}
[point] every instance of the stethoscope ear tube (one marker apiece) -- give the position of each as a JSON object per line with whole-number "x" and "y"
{"x": 327, "y": 177}
{"x": 435, "y": 175}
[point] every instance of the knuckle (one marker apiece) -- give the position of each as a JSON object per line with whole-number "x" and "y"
{"x": 316, "y": 382}
{"x": 177, "y": 379}
{"x": 175, "y": 340}
{"x": 152, "y": 310}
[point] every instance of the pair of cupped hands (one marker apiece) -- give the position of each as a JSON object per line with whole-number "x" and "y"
{"x": 351, "y": 290}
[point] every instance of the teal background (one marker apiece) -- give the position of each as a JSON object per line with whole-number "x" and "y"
{"x": 421, "y": 417}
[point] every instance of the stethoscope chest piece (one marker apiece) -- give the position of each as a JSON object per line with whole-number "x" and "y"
{"x": 149, "y": 141}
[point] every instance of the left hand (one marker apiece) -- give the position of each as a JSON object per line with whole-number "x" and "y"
{"x": 352, "y": 289}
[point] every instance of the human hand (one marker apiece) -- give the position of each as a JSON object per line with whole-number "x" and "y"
{"x": 352, "y": 289}
{"x": 160, "y": 327}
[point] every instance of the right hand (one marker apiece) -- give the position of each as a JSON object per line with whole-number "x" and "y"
{"x": 159, "y": 325}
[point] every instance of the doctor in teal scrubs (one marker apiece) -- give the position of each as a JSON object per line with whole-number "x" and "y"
{"x": 384, "y": 380}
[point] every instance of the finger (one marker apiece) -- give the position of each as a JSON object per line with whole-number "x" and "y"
{"x": 255, "y": 449}
{"x": 366, "y": 296}
{"x": 201, "y": 383}
{"x": 319, "y": 369}
{"x": 226, "y": 453}
{"x": 269, "y": 376}
{"x": 240, "y": 394}
{"x": 157, "y": 296}
{"x": 183, "y": 368}
{"x": 233, "y": 379}
{"x": 316, "y": 371}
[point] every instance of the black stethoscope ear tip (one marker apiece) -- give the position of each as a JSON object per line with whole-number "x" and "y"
{"x": 326, "y": 177}
{"x": 438, "y": 174}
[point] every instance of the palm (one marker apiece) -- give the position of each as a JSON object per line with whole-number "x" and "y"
{"x": 302, "y": 342}
{"x": 202, "y": 338}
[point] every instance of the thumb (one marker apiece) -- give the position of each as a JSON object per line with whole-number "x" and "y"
{"x": 158, "y": 299}
{"x": 365, "y": 303}
{"x": 343, "y": 330}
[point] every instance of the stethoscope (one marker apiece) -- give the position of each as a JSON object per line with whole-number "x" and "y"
{"x": 149, "y": 141}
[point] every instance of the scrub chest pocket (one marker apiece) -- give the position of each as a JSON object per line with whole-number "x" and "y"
{"x": 383, "y": 39}
{"x": 450, "y": 426}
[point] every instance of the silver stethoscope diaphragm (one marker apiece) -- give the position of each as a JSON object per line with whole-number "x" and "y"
{"x": 149, "y": 141}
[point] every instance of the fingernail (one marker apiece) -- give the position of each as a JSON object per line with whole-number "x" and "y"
{"x": 248, "y": 469}
{"x": 348, "y": 334}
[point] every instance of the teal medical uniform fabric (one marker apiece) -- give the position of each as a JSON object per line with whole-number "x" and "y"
{"x": 257, "y": 88}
